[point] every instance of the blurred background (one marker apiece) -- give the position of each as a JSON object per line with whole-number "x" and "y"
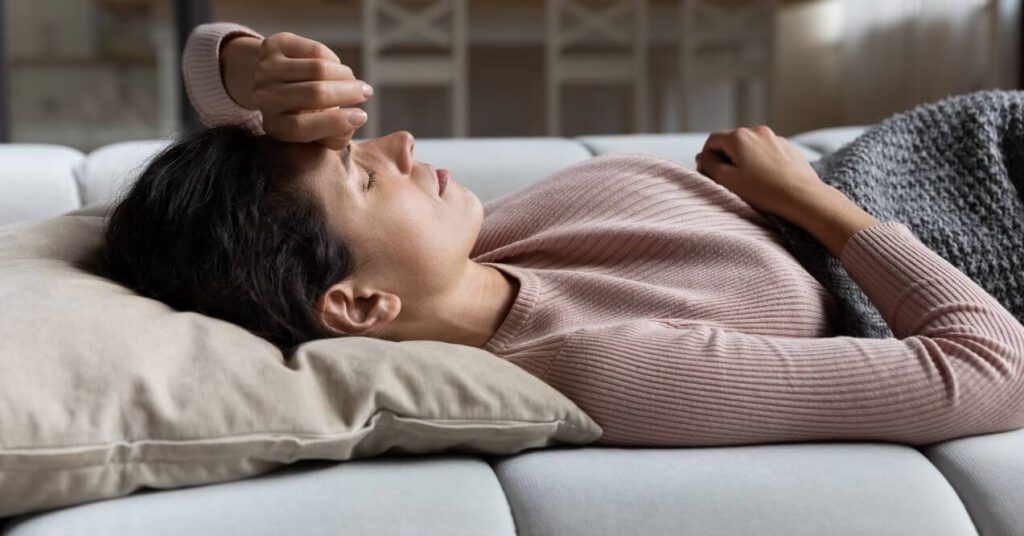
{"x": 86, "y": 73}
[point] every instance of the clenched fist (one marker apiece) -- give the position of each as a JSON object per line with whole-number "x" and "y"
{"x": 770, "y": 174}
{"x": 763, "y": 169}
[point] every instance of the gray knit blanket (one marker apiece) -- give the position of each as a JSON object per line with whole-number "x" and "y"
{"x": 950, "y": 171}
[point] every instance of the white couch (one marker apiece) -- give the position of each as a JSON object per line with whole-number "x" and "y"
{"x": 968, "y": 486}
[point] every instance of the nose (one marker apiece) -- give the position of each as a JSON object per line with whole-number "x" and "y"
{"x": 401, "y": 145}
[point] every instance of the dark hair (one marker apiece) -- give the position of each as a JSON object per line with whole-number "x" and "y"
{"x": 220, "y": 224}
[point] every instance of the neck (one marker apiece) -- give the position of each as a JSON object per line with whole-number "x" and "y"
{"x": 469, "y": 313}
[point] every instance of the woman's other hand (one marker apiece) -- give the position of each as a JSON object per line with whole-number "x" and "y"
{"x": 772, "y": 175}
{"x": 302, "y": 88}
{"x": 763, "y": 169}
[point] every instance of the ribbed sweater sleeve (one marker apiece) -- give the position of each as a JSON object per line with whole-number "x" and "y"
{"x": 200, "y": 64}
{"x": 955, "y": 367}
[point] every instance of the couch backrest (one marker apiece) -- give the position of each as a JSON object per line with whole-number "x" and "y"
{"x": 40, "y": 181}
{"x": 37, "y": 181}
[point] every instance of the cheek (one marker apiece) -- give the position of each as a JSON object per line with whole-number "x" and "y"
{"x": 412, "y": 214}
{"x": 415, "y": 229}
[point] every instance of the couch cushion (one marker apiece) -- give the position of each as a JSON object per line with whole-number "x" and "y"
{"x": 37, "y": 181}
{"x": 988, "y": 473}
{"x": 779, "y": 489}
{"x": 681, "y": 148}
{"x": 103, "y": 391}
{"x": 110, "y": 170}
{"x": 827, "y": 140}
{"x": 445, "y": 494}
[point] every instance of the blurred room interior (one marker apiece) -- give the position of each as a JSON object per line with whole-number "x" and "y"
{"x": 86, "y": 73}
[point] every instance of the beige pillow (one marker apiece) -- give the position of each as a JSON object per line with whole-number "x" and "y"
{"x": 103, "y": 391}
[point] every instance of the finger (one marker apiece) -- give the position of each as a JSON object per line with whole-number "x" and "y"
{"x": 285, "y": 69}
{"x": 296, "y": 46}
{"x": 316, "y": 125}
{"x": 298, "y": 96}
{"x": 714, "y": 165}
{"x": 722, "y": 143}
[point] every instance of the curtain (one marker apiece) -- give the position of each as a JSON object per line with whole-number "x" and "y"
{"x": 899, "y": 53}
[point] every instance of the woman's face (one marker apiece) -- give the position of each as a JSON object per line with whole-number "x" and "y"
{"x": 408, "y": 238}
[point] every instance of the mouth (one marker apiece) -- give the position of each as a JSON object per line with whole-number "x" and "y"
{"x": 443, "y": 175}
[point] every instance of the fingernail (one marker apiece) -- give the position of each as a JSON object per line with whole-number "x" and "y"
{"x": 367, "y": 90}
{"x": 356, "y": 117}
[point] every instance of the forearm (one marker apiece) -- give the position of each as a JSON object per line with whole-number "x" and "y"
{"x": 239, "y": 55}
{"x": 831, "y": 217}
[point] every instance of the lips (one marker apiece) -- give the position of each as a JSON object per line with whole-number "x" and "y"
{"x": 442, "y": 180}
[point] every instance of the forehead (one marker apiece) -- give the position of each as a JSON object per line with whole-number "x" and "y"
{"x": 312, "y": 163}
{"x": 307, "y": 157}
{"x": 318, "y": 168}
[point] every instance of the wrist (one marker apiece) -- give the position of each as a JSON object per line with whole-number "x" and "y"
{"x": 832, "y": 218}
{"x": 239, "y": 55}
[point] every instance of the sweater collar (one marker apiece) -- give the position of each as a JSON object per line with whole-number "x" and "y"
{"x": 519, "y": 313}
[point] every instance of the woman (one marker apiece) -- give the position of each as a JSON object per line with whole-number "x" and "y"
{"x": 653, "y": 296}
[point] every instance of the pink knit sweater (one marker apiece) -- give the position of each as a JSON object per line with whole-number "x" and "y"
{"x": 665, "y": 307}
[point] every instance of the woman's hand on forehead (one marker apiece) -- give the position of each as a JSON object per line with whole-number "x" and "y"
{"x": 305, "y": 92}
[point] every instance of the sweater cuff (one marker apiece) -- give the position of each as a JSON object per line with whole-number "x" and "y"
{"x": 203, "y": 82}
{"x": 872, "y": 257}
{"x": 903, "y": 277}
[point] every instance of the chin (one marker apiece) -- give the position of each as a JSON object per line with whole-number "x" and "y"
{"x": 477, "y": 213}
{"x": 472, "y": 223}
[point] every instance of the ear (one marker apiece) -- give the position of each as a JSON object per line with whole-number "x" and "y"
{"x": 351, "y": 308}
